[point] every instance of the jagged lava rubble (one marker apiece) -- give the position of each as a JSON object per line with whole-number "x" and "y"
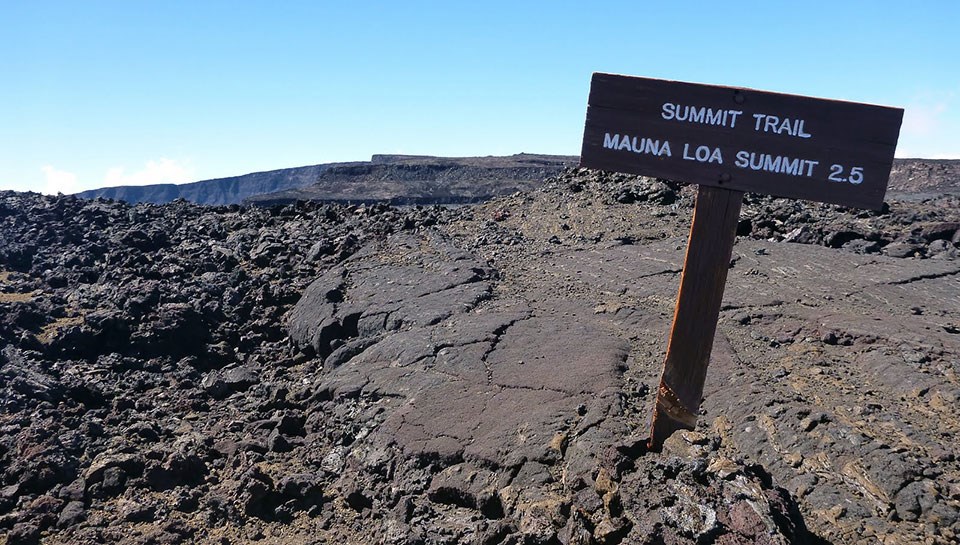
{"x": 319, "y": 373}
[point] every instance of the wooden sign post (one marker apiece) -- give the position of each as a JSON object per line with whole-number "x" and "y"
{"x": 729, "y": 141}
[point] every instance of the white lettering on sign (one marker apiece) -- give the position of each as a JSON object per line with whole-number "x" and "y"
{"x": 774, "y": 124}
{"x": 744, "y": 159}
{"x": 699, "y": 114}
{"x": 766, "y": 162}
{"x": 775, "y": 163}
{"x": 838, "y": 174}
{"x": 637, "y": 144}
{"x": 703, "y": 154}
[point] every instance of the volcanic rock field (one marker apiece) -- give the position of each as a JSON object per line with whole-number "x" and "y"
{"x": 324, "y": 373}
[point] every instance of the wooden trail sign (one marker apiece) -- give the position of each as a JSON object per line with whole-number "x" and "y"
{"x": 770, "y": 143}
{"x": 729, "y": 140}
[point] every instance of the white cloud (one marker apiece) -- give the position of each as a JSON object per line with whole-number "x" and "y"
{"x": 58, "y": 181}
{"x": 923, "y": 119}
{"x": 161, "y": 171}
{"x": 931, "y": 127}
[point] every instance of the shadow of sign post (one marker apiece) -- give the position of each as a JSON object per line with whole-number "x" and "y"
{"x": 729, "y": 141}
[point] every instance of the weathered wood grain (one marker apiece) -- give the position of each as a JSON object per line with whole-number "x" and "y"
{"x": 709, "y": 247}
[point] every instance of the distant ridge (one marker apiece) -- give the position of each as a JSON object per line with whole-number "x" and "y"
{"x": 423, "y": 179}
{"x": 407, "y": 179}
{"x": 397, "y": 179}
{"x": 220, "y": 191}
{"x": 922, "y": 178}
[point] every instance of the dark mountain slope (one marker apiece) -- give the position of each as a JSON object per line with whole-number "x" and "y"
{"x": 924, "y": 178}
{"x": 395, "y": 178}
{"x": 219, "y": 191}
{"x": 400, "y": 179}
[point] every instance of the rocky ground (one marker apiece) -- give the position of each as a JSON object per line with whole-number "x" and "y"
{"x": 321, "y": 373}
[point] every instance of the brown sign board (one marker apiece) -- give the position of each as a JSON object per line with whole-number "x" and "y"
{"x": 741, "y": 139}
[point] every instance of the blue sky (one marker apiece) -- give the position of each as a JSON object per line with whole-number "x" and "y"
{"x": 103, "y": 93}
